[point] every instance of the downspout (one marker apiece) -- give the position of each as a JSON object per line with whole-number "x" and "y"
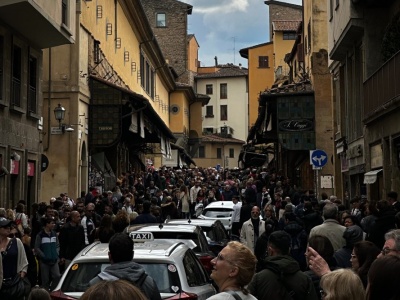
{"x": 49, "y": 105}
{"x": 115, "y": 20}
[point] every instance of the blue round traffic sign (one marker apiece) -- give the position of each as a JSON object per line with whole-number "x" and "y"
{"x": 319, "y": 158}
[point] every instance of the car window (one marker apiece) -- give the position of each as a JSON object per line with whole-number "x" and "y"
{"x": 220, "y": 232}
{"x": 203, "y": 242}
{"x": 80, "y": 274}
{"x": 210, "y": 233}
{"x": 195, "y": 274}
{"x": 217, "y": 212}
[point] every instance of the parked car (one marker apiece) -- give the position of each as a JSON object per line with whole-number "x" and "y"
{"x": 219, "y": 210}
{"x": 171, "y": 263}
{"x": 192, "y": 235}
{"x": 215, "y": 232}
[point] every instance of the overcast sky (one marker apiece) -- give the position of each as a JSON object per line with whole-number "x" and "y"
{"x": 223, "y": 27}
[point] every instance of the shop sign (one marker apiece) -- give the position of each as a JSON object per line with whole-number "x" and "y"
{"x": 296, "y": 125}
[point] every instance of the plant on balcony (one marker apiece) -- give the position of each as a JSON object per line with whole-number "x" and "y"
{"x": 391, "y": 38}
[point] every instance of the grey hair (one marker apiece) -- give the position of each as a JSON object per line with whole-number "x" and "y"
{"x": 330, "y": 211}
{"x": 394, "y": 234}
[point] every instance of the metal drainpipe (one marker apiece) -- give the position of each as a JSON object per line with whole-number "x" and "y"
{"x": 49, "y": 105}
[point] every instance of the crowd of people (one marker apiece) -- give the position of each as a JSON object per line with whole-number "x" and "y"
{"x": 292, "y": 245}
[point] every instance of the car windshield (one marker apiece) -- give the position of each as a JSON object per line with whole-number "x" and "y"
{"x": 217, "y": 213}
{"x": 80, "y": 274}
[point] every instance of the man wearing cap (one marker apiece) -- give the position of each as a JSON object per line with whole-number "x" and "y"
{"x": 282, "y": 276}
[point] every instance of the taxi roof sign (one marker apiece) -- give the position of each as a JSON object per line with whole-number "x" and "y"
{"x": 140, "y": 236}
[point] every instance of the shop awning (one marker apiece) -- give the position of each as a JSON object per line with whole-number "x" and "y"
{"x": 370, "y": 177}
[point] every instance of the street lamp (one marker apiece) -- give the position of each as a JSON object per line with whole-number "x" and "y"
{"x": 59, "y": 113}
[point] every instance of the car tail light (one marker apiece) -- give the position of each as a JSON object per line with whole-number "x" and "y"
{"x": 206, "y": 262}
{"x": 185, "y": 296}
{"x": 59, "y": 295}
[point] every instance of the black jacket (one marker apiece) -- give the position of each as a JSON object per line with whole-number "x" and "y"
{"x": 72, "y": 240}
{"x": 385, "y": 221}
{"x": 281, "y": 277}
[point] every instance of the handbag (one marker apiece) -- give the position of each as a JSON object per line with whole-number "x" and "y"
{"x": 14, "y": 287}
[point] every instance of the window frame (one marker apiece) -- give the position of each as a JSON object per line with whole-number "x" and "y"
{"x": 224, "y": 116}
{"x": 219, "y": 152}
{"x": 231, "y": 153}
{"x": 223, "y": 91}
{"x": 263, "y": 61}
{"x": 201, "y": 152}
{"x": 209, "y": 111}
{"x": 159, "y": 21}
{"x": 289, "y": 35}
{"x": 209, "y": 89}
{"x": 65, "y": 12}
{"x": 32, "y": 108}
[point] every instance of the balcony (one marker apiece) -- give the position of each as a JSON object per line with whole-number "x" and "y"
{"x": 38, "y": 21}
{"x": 381, "y": 90}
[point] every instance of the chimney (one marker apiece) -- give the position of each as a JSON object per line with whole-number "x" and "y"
{"x": 216, "y": 61}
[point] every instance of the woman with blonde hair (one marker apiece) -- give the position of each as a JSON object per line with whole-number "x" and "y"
{"x": 113, "y": 290}
{"x": 342, "y": 284}
{"x": 233, "y": 269}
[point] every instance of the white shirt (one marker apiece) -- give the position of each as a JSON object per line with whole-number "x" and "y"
{"x": 236, "y": 212}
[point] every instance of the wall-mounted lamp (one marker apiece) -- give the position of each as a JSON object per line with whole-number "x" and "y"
{"x": 15, "y": 156}
{"x": 59, "y": 114}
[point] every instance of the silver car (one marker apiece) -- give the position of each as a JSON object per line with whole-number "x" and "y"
{"x": 172, "y": 264}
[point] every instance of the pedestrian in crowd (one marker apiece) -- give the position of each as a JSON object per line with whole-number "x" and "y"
{"x": 371, "y": 214}
{"x": 352, "y": 235}
{"x": 282, "y": 275}
{"x": 31, "y": 273}
{"x": 384, "y": 278}
{"x": 298, "y": 237}
{"x": 114, "y": 290}
{"x": 392, "y": 199}
{"x": 384, "y": 222}
{"x": 72, "y": 239}
{"x": 260, "y": 250}
{"x": 363, "y": 255}
{"x": 233, "y": 269}
{"x": 342, "y": 284}
{"x": 236, "y": 216}
{"x": 355, "y": 207}
{"x": 168, "y": 209}
{"x": 122, "y": 267}
{"x": 252, "y": 229}
{"x": 47, "y": 248}
{"x": 311, "y": 217}
{"x": 87, "y": 222}
{"x": 105, "y": 231}
{"x": 20, "y": 216}
{"x": 14, "y": 262}
{"x": 324, "y": 247}
{"x": 121, "y": 221}
{"x": 331, "y": 227}
{"x": 38, "y": 293}
{"x": 145, "y": 216}
{"x": 392, "y": 243}
{"x": 184, "y": 202}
